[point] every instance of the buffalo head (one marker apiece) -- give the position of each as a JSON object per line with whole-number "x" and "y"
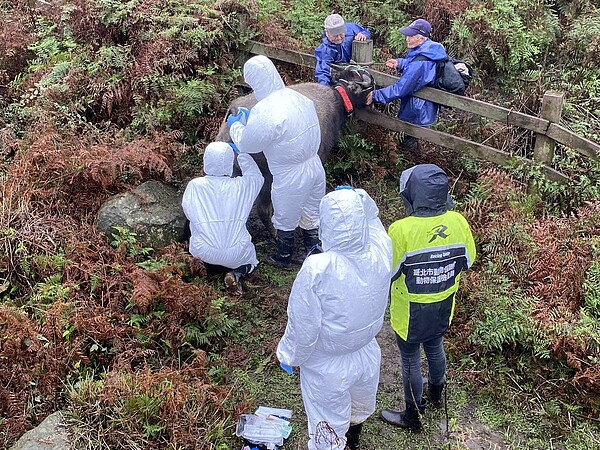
{"x": 356, "y": 80}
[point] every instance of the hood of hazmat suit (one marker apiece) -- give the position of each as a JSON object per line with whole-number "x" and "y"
{"x": 336, "y": 308}
{"x": 262, "y": 75}
{"x": 218, "y": 160}
{"x": 285, "y": 127}
{"x": 218, "y": 207}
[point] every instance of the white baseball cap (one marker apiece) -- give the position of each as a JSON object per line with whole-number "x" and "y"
{"x": 334, "y": 23}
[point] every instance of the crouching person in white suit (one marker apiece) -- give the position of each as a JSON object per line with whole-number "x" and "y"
{"x": 218, "y": 207}
{"x": 335, "y": 310}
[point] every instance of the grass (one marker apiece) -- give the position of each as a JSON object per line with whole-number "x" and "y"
{"x": 489, "y": 404}
{"x": 275, "y": 277}
{"x": 504, "y": 417}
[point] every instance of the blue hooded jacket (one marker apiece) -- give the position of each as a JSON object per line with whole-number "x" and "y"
{"x": 415, "y": 75}
{"x": 328, "y": 52}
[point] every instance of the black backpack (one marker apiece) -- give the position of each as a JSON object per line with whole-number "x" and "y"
{"x": 451, "y": 74}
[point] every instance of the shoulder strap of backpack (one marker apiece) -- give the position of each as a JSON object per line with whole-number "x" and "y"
{"x": 422, "y": 58}
{"x": 437, "y": 61}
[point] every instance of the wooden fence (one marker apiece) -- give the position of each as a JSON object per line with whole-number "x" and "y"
{"x": 546, "y": 127}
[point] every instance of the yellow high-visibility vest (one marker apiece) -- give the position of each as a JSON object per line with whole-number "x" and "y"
{"x": 429, "y": 254}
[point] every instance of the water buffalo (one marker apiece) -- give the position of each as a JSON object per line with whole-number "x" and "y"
{"x": 334, "y": 104}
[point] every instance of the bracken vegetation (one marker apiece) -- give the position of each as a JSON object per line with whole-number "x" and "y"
{"x": 139, "y": 344}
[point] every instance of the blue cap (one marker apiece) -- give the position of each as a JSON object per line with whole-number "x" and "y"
{"x": 419, "y": 26}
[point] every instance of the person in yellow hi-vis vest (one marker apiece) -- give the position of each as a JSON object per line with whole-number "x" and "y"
{"x": 431, "y": 248}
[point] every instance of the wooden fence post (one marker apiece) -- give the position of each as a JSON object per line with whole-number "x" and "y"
{"x": 551, "y": 110}
{"x": 362, "y": 52}
{"x": 240, "y": 55}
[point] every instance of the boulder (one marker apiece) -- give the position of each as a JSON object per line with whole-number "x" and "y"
{"x": 152, "y": 211}
{"x": 8, "y": 139}
{"x": 48, "y": 435}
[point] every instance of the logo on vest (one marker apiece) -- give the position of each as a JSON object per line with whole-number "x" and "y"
{"x": 438, "y": 231}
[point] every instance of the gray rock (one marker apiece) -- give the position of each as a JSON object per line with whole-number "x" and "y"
{"x": 48, "y": 435}
{"x": 7, "y": 135}
{"x": 152, "y": 211}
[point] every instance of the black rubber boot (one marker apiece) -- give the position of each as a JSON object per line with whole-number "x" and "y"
{"x": 352, "y": 437}
{"x": 285, "y": 249}
{"x": 312, "y": 243}
{"x": 409, "y": 143}
{"x": 409, "y": 419}
{"x": 433, "y": 393}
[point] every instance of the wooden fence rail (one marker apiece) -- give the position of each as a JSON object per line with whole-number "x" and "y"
{"x": 547, "y": 130}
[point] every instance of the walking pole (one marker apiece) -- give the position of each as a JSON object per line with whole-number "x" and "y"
{"x": 446, "y": 410}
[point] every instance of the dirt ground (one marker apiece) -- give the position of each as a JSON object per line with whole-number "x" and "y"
{"x": 464, "y": 431}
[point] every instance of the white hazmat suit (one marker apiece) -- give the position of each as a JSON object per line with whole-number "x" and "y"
{"x": 218, "y": 207}
{"x": 335, "y": 310}
{"x": 285, "y": 127}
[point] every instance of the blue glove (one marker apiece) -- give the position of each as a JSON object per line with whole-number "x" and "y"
{"x": 242, "y": 116}
{"x": 245, "y": 113}
{"x": 287, "y": 368}
{"x": 231, "y": 119}
{"x": 234, "y": 147}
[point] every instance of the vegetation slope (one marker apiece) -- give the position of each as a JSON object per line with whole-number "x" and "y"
{"x": 142, "y": 349}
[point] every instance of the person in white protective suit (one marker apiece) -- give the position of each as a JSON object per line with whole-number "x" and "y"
{"x": 218, "y": 207}
{"x": 285, "y": 127}
{"x": 335, "y": 310}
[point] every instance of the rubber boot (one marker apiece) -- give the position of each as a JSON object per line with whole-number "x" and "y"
{"x": 352, "y": 436}
{"x": 285, "y": 249}
{"x": 433, "y": 393}
{"x": 409, "y": 143}
{"x": 312, "y": 243}
{"x": 409, "y": 419}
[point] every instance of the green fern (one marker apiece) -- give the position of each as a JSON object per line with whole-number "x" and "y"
{"x": 591, "y": 285}
{"x": 48, "y": 291}
{"x": 217, "y": 326}
{"x": 113, "y": 12}
{"x": 305, "y": 21}
{"x": 507, "y": 323}
{"x": 124, "y": 236}
{"x": 397, "y": 41}
{"x": 510, "y": 37}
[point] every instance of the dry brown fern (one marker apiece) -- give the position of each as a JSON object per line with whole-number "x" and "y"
{"x": 185, "y": 404}
{"x": 440, "y": 14}
{"x": 32, "y": 365}
{"x": 498, "y": 188}
{"x": 559, "y": 265}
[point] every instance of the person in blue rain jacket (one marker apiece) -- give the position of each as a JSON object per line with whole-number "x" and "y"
{"x": 336, "y": 46}
{"x": 414, "y": 75}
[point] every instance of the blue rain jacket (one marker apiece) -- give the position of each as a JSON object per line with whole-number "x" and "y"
{"x": 415, "y": 75}
{"x": 328, "y": 52}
